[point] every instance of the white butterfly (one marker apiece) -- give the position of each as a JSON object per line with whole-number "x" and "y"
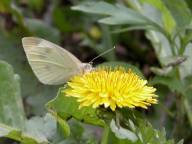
{"x": 52, "y": 64}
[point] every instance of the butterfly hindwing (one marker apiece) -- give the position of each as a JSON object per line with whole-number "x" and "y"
{"x": 51, "y": 64}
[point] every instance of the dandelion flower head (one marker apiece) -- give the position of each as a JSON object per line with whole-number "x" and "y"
{"x": 111, "y": 88}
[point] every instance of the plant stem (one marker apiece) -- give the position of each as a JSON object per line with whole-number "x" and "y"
{"x": 105, "y": 136}
{"x": 188, "y": 111}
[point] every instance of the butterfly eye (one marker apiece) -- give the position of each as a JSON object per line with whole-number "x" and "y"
{"x": 87, "y": 67}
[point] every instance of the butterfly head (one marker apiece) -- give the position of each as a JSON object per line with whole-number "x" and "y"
{"x": 87, "y": 67}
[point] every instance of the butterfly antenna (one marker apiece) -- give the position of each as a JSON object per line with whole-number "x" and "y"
{"x": 107, "y": 51}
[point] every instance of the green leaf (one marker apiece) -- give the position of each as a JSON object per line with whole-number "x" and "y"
{"x": 147, "y": 134}
{"x": 161, "y": 71}
{"x": 167, "y": 19}
{"x": 12, "y": 112}
{"x": 41, "y": 29}
{"x": 117, "y": 14}
{"x": 11, "y": 106}
{"x": 62, "y": 124}
{"x": 188, "y": 99}
{"x": 180, "y": 11}
{"x": 131, "y": 28}
{"x": 12, "y": 133}
{"x": 144, "y": 133}
{"x": 116, "y": 64}
{"x": 160, "y": 42}
{"x": 5, "y": 5}
{"x": 67, "y": 107}
{"x": 185, "y": 68}
{"x": 181, "y": 142}
{"x": 42, "y": 128}
{"x": 173, "y": 83}
{"x": 123, "y": 133}
{"x": 38, "y": 130}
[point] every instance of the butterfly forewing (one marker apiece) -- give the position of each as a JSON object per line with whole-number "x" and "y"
{"x": 51, "y": 64}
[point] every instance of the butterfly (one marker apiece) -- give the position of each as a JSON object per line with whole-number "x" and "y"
{"x": 52, "y": 64}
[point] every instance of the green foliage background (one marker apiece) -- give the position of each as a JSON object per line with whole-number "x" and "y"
{"x": 152, "y": 37}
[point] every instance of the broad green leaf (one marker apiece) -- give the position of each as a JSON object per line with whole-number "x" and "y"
{"x": 117, "y": 14}
{"x": 180, "y": 11}
{"x": 67, "y": 107}
{"x": 96, "y": 8}
{"x": 11, "y": 106}
{"x": 167, "y": 19}
{"x": 159, "y": 41}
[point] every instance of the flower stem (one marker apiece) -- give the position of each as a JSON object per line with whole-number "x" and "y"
{"x": 105, "y": 136}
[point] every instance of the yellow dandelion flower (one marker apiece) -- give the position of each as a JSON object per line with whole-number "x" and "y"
{"x": 111, "y": 88}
